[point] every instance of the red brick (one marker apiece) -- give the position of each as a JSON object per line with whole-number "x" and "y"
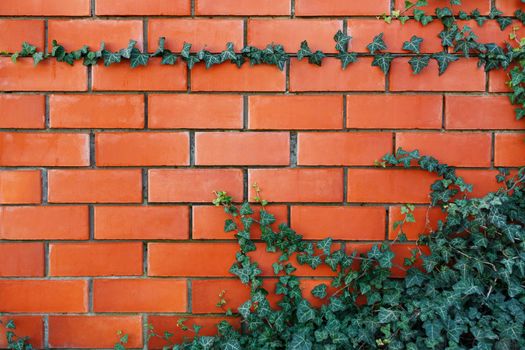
{"x": 143, "y": 8}
{"x": 187, "y": 111}
{"x": 491, "y": 32}
{"x": 48, "y": 75}
{"x": 20, "y": 187}
{"x": 295, "y": 112}
{"x": 394, "y": 111}
{"x": 22, "y": 259}
{"x": 96, "y": 111}
{"x": 95, "y": 259}
{"x": 209, "y": 34}
{"x": 426, "y": 221}
{"x": 509, "y": 6}
{"x": 141, "y": 222}
{"x": 30, "y": 326}
{"x": 471, "y": 149}
{"x": 242, "y": 148}
{"x": 142, "y": 295}
{"x": 482, "y": 181}
{"x": 53, "y": 296}
{"x": 154, "y": 76}
{"x": 298, "y": 185}
{"x": 22, "y": 111}
{"x": 205, "y": 295}
{"x": 510, "y": 150}
{"x": 193, "y": 185}
{"x": 498, "y": 80}
{"x": 389, "y": 185}
{"x": 345, "y": 223}
{"x": 466, "y": 5}
{"x": 14, "y": 32}
{"x": 44, "y": 149}
{"x": 44, "y": 223}
{"x": 242, "y": 8}
{"x": 45, "y": 8}
{"x": 358, "y": 76}
{"x": 341, "y": 8}
{"x": 291, "y": 32}
{"x": 90, "y": 332}
{"x": 95, "y": 186}
{"x": 348, "y": 148}
{"x": 142, "y": 148}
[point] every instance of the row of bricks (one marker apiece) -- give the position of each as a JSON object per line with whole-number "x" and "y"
{"x": 230, "y": 7}
{"x": 264, "y": 112}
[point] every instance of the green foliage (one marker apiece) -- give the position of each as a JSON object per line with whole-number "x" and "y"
{"x": 13, "y": 341}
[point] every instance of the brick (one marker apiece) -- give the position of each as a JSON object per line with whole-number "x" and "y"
{"x": 44, "y": 149}
{"x": 510, "y": 150}
{"x": 348, "y": 148}
{"x": 53, "y": 296}
{"x": 295, "y": 112}
{"x": 143, "y": 295}
{"x": 509, "y": 6}
{"x": 141, "y": 222}
{"x": 48, "y": 75}
{"x": 14, "y": 32}
{"x": 483, "y": 181}
{"x": 20, "y": 187}
{"x": 480, "y": 113}
{"x": 45, "y": 8}
{"x": 22, "y": 259}
{"x": 96, "y": 111}
{"x": 466, "y": 5}
{"x": 242, "y": 148}
{"x": 205, "y": 294}
{"x": 22, "y": 111}
{"x": 298, "y": 185}
{"x": 402, "y": 78}
{"x": 30, "y": 326}
{"x": 242, "y": 8}
{"x": 394, "y": 111}
{"x": 316, "y": 8}
{"x": 389, "y": 185}
{"x": 143, "y": 8}
{"x": 95, "y": 186}
{"x": 193, "y": 185}
{"x": 115, "y": 34}
{"x": 142, "y": 148}
{"x": 95, "y": 259}
{"x": 44, "y": 222}
{"x": 345, "y": 223}
{"x": 202, "y": 111}
{"x": 491, "y": 32}
{"x": 78, "y": 331}
{"x": 291, "y": 32}
{"x": 153, "y": 77}
{"x": 471, "y": 149}
{"x": 227, "y": 77}
{"x": 209, "y": 34}
{"x": 330, "y": 76}
{"x": 498, "y": 80}
{"x": 426, "y": 222}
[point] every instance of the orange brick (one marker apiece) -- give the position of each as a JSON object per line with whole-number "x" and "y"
{"x": 498, "y": 80}
{"x": 53, "y": 296}
{"x": 140, "y": 222}
{"x": 205, "y": 295}
{"x": 22, "y": 260}
{"x": 345, "y": 223}
{"x": 341, "y": 8}
{"x": 242, "y": 8}
{"x": 426, "y": 221}
{"x": 471, "y": 149}
{"x": 44, "y": 149}
{"x": 510, "y": 150}
{"x": 209, "y": 34}
{"x": 48, "y": 222}
{"x": 45, "y": 8}
{"x": 20, "y": 187}
{"x": 96, "y": 111}
{"x": 154, "y": 76}
{"x": 22, "y": 111}
{"x": 142, "y": 8}
{"x": 30, "y": 326}
{"x": 193, "y": 185}
{"x": 142, "y": 295}
{"x": 227, "y": 77}
{"x": 242, "y": 148}
{"x": 295, "y": 112}
{"x": 95, "y": 259}
{"x": 358, "y": 76}
{"x": 291, "y": 32}
{"x": 95, "y": 186}
{"x": 48, "y": 75}
{"x": 187, "y": 111}
{"x": 394, "y": 111}
{"x": 509, "y": 6}
{"x": 14, "y": 32}
{"x": 466, "y": 5}
{"x": 79, "y": 331}
{"x": 331, "y": 148}
{"x": 482, "y": 181}
{"x": 298, "y": 185}
{"x": 491, "y": 32}
{"x": 142, "y": 148}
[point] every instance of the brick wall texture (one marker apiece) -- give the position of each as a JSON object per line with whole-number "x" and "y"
{"x": 107, "y": 173}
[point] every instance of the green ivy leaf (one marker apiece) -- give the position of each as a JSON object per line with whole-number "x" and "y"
{"x": 319, "y": 291}
{"x": 418, "y": 63}
{"x": 138, "y": 58}
{"x": 377, "y": 44}
{"x": 347, "y": 58}
{"x": 443, "y": 59}
{"x": 413, "y": 45}
{"x": 341, "y": 41}
{"x": 383, "y": 61}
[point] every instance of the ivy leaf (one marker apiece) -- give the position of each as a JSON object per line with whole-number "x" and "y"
{"x": 347, "y": 58}
{"x": 206, "y": 342}
{"x": 387, "y": 315}
{"x": 232, "y": 344}
{"x": 37, "y": 57}
{"x": 316, "y": 58}
{"x": 325, "y": 245}
{"x": 504, "y": 22}
{"x": 169, "y": 58}
{"x": 245, "y": 309}
{"x": 266, "y": 218}
{"x": 229, "y": 53}
{"x": 229, "y": 226}
{"x": 126, "y": 53}
{"x": 377, "y": 44}
{"x": 319, "y": 291}
{"x": 418, "y": 63}
{"x": 304, "y": 51}
{"x": 443, "y": 59}
{"x": 27, "y": 49}
{"x": 413, "y": 45}
{"x": 300, "y": 342}
{"x": 383, "y": 61}
{"x": 138, "y": 58}
{"x": 160, "y": 50}
{"x": 185, "y": 53}
{"x": 341, "y": 41}
{"x": 305, "y": 312}
{"x": 246, "y": 209}
{"x": 110, "y": 57}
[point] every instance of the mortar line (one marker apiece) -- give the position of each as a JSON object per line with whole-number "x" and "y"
{"x": 293, "y": 149}
{"x": 345, "y": 113}
{"x": 345, "y": 185}
{"x": 145, "y": 186}
{"x": 246, "y": 185}
{"x": 45, "y": 325}
{"x": 146, "y": 110}
{"x": 189, "y": 288}
{"x": 145, "y": 34}
{"x": 245, "y": 112}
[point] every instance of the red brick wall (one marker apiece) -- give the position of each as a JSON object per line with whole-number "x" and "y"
{"x": 107, "y": 173}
